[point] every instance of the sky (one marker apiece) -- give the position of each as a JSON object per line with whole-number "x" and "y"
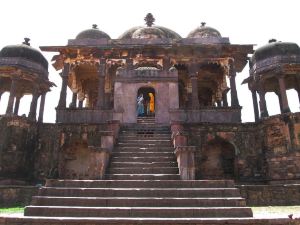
{"x": 53, "y": 22}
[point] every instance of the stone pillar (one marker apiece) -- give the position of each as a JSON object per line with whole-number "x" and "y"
{"x": 219, "y": 103}
{"x": 224, "y": 98}
{"x": 11, "y": 99}
{"x": 186, "y": 161}
{"x": 1, "y": 93}
{"x": 73, "y": 104}
{"x": 42, "y": 106}
{"x": 262, "y": 103}
{"x": 232, "y": 74}
{"x": 17, "y": 104}
{"x": 63, "y": 91}
{"x": 101, "y": 84}
{"x": 255, "y": 105}
{"x": 33, "y": 105}
{"x": 283, "y": 96}
{"x": 195, "y": 98}
{"x": 280, "y": 101}
{"x": 80, "y": 104}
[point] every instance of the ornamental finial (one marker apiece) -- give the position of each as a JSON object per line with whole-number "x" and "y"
{"x": 203, "y": 24}
{"x": 26, "y": 41}
{"x": 149, "y": 19}
{"x": 272, "y": 40}
{"x": 95, "y": 26}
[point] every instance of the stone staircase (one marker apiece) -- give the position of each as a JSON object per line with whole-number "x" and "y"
{"x": 142, "y": 184}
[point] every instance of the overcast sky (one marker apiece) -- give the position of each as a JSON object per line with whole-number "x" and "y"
{"x": 244, "y": 22}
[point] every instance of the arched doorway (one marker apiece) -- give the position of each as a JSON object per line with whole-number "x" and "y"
{"x": 218, "y": 160}
{"x": 146, "y": 104}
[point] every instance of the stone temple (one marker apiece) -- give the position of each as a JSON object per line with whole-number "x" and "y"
{"x": 101, "y": 162}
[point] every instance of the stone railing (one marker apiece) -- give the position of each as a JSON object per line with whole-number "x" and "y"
{"x": 212, "y": 115}
{"x": 83, "y": 115}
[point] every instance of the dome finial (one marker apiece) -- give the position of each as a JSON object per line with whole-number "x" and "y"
{"x": 149, "y": 19}
{"x": 95, "y": 26}
{"x": 203, "y": 24}
{"x": 26, "y": 41}
{"x": 272, "y": 40}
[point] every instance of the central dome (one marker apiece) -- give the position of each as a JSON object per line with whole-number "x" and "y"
{"x": 204, "y": 32}
{"x": 93, "y": 33}
{"x": 150, "y": 31}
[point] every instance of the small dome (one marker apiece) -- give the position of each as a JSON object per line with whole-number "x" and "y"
{"x": 150, "y": 31}
{"x": 24, "y": 51}
{"x": 204, "y": 32}
{"x": 93, "y": 33}
{"x": 274, "y": 48}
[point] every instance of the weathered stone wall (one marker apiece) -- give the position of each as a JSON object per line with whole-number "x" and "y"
{"x": 17, "y": 147}
{"x": 271, "y": 195}
{"x": 245, "y": 139}
{"x": 16, "y": 195}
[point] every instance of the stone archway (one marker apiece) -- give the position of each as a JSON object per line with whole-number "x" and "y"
{"x": 218, "y": 160}
{"x": 145, "y": 92}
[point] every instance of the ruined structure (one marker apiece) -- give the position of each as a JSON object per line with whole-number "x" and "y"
{"x": 190, "y": 79}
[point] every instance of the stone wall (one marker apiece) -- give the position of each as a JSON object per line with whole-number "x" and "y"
{"x": 271, "y": 195}
{"x": 16, "y": 195}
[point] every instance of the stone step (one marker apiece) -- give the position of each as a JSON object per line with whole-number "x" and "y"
{"x": 146, "y": 141}
{"x": 137, "y": 202}
{"x": 141, "y": 184}
{"x": 163, "y": 212}
{"x": 143, "y": 176}
{"x": 36, "y": 220}
{"x": 140, "y": 192}
{"x": 146, "y": 138}
{"x": 144, "y": 144}
{"x": 144, "y": 148}
{"x": 141, "y": 170}
{"x": 143, "y": 164}
{"x": 143, "y": 159}
{"x": 142, "y": 154}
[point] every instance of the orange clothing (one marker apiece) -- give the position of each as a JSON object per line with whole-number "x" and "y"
{"x": 151, "y": 103}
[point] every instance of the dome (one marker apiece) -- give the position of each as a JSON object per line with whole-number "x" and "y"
{"x": 24, "y": 51}
{"x": 150, "y": 31}
{"x": 204, "y": 32}
{"x": 274, "y": 48}
{"x": 93, "y": 33}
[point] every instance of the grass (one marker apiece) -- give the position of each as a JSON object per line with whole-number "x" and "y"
{"x": 12, "y": 210}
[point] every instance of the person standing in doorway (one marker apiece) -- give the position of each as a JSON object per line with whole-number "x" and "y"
{"x": 140, "y": 105}
{"x": 151, "y": 104}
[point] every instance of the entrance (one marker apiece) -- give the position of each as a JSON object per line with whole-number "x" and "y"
{"x": 146, "y": 102}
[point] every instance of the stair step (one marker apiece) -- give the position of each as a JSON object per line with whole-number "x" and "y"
{"x": 144, "y": 144}
{"x": 140, "y": 192}
{"x": 141, "y": 184}
{"x": 164, "y": 212}
{"x": 137, "y": 202}
{"x": 142, "y": 154}
{"x": 143, "y": 176}
{"x": 143, "y": 148}
{"x": 140, "y": 170}
{"x": 143, "y": 159}
{"x": 143, "y": 164}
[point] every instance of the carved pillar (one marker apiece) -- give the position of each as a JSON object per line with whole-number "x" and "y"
{"x": 101, "y": 84}
{"x": 63, "y": 91}
{"x": 262, "y": 102}
{"x": 280, "y": 101}
{"x": 1, "y": 93}
{"x": 73, "y": 104}
{"x": 33, "y": 105}
{"x": 42, "y": 106}
{"x": 195, "y": 98}
{"x": 11, "y": 99}
{"x": 232, "y": 74}
{"x": 255, "y": 105}
{"x": 17, "y": 104}
{"x": 80, "y": 104}
{"x": 224, "y": 98}
{"x": 285, "y": 105}
{"x": 219, "y": 104}
{"x": 186, "y": 161}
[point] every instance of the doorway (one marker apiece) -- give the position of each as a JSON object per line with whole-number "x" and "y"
{"x": 146, "y": 102}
